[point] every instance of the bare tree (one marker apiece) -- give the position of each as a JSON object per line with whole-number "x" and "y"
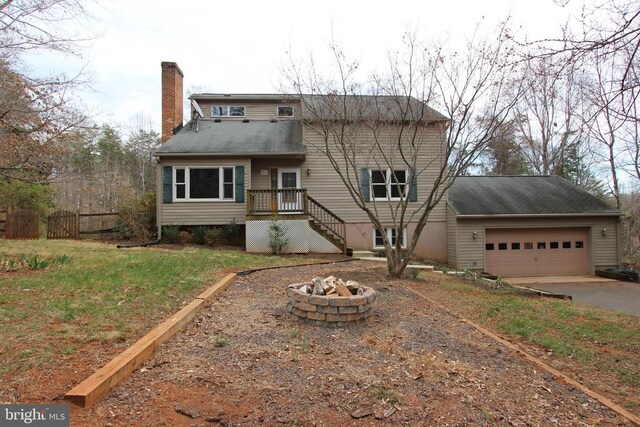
{"x": 382, "y": 137}
{"x": 602, "y": 32}
{"x": 548, "y": 114}
{"x": 503, "y": 155}
{"x": 27, "y": 25}
{"x": 141, "y": 144}
{"x": 608, "y": 117}
{"x": 36, "y": 114}
{"x": 35, "y": 119}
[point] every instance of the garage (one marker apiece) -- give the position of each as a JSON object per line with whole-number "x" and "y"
{"x": 537, "y": 251}
{"x": 529, "y": 226}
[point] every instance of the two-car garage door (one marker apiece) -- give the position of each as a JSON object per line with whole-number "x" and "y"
{"x": 537, "y": 251}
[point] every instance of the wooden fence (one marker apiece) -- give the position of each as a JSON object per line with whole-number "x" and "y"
{"x": 96, "y": 224}
{"x": 63, "y": 225}
{"x": 3, "y": 221}
{"x": 22, "y": 224}
{"x": 70, "y": 225}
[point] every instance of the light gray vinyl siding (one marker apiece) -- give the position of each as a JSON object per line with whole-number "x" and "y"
{"x": 451, "y": 237}
{"x": 605, "y": 247}
{"x": 263, "y": 182}
{"x": 325, "y": 185}
{"x": 203, "y": 213}
{"x": 253, "y": 110}
{"x": 470, "y": 253}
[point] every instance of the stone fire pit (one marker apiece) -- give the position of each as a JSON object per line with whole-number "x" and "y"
{"x": 330, "y": 301}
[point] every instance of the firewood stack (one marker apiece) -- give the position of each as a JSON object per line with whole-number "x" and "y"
{"x": 332, "y": 286}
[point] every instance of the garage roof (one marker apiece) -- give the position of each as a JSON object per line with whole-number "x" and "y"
{"x": 522, "y": 195}
{"x": 236, "y": 138}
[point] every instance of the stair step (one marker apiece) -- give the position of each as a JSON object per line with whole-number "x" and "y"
{"x": 326, "y": 234}
{"x": 363, "y": 254}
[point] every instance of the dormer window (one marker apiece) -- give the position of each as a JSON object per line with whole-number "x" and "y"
{"x": 285, "y": 111}
{"x": 227, "y": 111}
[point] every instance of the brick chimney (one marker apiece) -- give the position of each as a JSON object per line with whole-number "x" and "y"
{"x": 172, "y": 109}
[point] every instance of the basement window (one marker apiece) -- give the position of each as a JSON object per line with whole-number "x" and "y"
{"x": 286, "y": 111}
{"x": 378, "y": 242}
{"x": 227, "y": 111}
{"x": 203, "y": 184}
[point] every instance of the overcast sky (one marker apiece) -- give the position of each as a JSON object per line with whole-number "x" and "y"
{"x": 239, "y": 46}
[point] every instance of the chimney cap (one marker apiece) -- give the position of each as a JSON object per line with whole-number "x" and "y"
{"x": 168, "y": 64}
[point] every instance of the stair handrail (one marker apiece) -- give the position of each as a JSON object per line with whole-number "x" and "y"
{"x": 336, "y": 227}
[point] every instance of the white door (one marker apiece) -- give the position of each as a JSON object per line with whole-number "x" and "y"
{"x": 289, "y": 201}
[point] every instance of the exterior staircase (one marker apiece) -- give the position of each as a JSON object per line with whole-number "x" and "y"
{"x": 332, "y": 238}
{"x": 327, "y": 224}
{"x": 296, "y": 202}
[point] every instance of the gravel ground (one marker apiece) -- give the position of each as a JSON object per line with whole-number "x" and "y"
{"x": 242, "y": 361}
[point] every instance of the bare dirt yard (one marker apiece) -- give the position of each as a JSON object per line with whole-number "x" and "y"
{"x": 242, "y": 361}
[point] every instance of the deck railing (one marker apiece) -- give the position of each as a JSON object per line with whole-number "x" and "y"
{"x": 265, "y": 202}
{"x": 296, "y": 201}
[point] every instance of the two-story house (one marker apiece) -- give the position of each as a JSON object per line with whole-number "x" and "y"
{"x": 249, "y": 157}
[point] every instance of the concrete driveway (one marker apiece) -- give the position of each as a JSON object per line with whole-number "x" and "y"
{"x": 609, "y": 294}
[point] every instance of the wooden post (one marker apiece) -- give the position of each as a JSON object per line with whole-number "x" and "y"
{"x": 274, "y": 201}
{"x": 305, "y": 202}
{"x": 8, "y": 226}
{"x": 344, "y": 238}
{"x": 77, "y": 226}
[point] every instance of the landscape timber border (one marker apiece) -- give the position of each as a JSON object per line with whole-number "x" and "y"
{"x": 94, "y": 388}
{"x": 90, "y": 391}
{"x": 554, "y": 372}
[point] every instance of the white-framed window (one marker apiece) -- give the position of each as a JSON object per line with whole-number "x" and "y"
{"x": 378, "y": 242}
{"x": 227, "y": 111}
{"x": 203, "y": 183}
{"x": 285, "y": 111}
{"x": 388, "y": 184}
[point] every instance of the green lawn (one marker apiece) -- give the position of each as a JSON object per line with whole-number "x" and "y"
{"x": 103, "y": 296}
{"x": 598, "y": 346}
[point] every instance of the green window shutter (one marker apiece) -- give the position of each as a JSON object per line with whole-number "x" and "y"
{"x": 364, "y": 182}
{"x": 167, "y": 184}
{"x": 413, "y": 194}
{"x": 239, "y": 184}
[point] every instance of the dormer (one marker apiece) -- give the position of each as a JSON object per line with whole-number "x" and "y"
{"x": 243, "y": 107}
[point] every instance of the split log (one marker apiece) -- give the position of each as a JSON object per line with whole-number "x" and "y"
{"x": 330, "y": 280}
{"x": 352, "y": 285}
{"x": 318, "y": 286}
{"x": 342, "y": 290}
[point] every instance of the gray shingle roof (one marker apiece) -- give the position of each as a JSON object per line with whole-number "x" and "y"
{"x": 270, "y": 97}
{"x": 235, "y": 137}
{"x": 370, "y": 107}
{"x": 522, "y": 195}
